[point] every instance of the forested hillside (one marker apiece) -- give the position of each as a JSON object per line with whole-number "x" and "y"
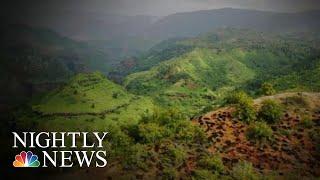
{"x": 225, "y": 60}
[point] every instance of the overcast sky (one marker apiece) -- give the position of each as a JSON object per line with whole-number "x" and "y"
{"x": 162, "y": 7}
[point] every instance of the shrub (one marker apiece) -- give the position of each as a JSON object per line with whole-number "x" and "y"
{"x": 267, "y": 89}
{"x": 174, "y": 156}
{"x": 245, "y": 110}
{"x": 212, "y": 163}
{"x": 259, "y": 131}
{"x": 244, "y": 171}
{"x": 204, "y": 174}
{"x": 184, "y": 131}
{"x": 236, "y": 97}
{"x": 270, "y": 111}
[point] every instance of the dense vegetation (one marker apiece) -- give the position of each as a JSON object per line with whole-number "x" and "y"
{"x": 227, "y": 60}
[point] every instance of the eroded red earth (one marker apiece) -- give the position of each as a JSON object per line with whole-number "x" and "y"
{"x": 293, "y": 151}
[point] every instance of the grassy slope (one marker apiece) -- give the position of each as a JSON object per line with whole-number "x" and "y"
{"x": 191, "y": 79}
{"x": 225, "y": 60}
{"x": 75, "y": 102}
{"x": 85, "y": 93}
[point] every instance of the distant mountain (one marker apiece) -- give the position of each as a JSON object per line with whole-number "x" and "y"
{"x": 119, "y": 36}
{"x": 194, "y": 23}
{"x": 117, "y": 28}
{"x": 86, "y": 25}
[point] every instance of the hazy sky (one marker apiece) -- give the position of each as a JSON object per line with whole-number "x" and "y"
{"x": 162, "y": 7}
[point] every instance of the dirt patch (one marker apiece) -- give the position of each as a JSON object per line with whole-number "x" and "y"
{"x": 290, "y": 150}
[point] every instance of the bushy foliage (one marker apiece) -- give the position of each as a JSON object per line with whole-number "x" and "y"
{"x": 244, "y": 171}
{"x": 151, "y": 132}
{"x": 259, "y": 131}
{"x": 267, "y": 89}
{"x": 270, "y": 111}
{"x": 174, "y": 155}
{"x": 136, "y": 157}
{"x": 236, "y": 97}
{"x": 245, "y": 110}
{"x": 170, "y": 124}
{"x": 212, "y": 162}
{"x": 167, "y": 131}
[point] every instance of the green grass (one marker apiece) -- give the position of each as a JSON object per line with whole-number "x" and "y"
{"x": 125, "y": 116}
{"x": 85, "y": 93}
{"x": 93, "y": 101}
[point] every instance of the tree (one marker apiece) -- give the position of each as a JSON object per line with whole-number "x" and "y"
{"x": 236, "y": 97}
{"x": 245, "y": 110}
{"x": 271, "y": 111}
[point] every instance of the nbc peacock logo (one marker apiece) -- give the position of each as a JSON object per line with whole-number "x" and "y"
{"x": 26, "y": 160}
